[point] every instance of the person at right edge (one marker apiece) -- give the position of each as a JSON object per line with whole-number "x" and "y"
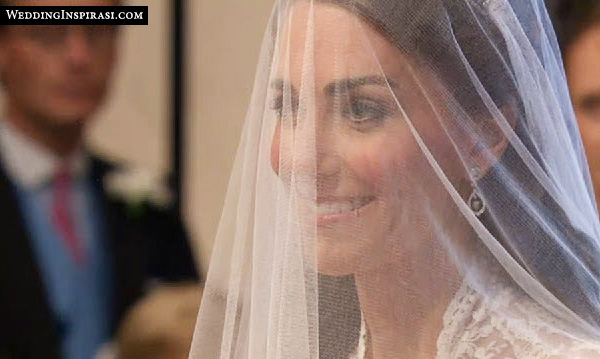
{"x": 577, "y": 25}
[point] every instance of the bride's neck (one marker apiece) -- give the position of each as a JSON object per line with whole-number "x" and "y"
{"x": 404, "y": 308}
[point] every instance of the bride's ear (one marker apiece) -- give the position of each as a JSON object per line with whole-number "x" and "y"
{"x": 489, "y": 149}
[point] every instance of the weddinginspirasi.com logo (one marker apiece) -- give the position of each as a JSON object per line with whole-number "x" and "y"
{"x": 73, "y": 15}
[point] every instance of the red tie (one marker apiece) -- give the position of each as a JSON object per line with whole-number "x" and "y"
{"x": 62, "y": 216}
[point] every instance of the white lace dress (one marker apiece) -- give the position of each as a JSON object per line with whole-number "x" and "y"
{"x": 511, "y": 327}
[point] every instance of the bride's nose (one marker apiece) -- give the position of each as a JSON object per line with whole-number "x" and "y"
{"x": 315, "y": 149}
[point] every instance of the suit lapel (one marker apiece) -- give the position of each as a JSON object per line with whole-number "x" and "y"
{"x": 27, "y": 326}
{"x": 125, "y": 250}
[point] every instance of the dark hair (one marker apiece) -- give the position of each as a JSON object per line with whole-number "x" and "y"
{"x": 572, "y": 18}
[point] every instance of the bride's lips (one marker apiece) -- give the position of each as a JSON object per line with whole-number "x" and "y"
{"x": 330, "y": 210}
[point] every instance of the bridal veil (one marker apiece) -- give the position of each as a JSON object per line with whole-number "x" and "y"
{"x": 409, "y": 171}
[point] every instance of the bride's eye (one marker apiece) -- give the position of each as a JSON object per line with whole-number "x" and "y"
{"x": 365, "y": 113}
{"x": 277, "y": 106}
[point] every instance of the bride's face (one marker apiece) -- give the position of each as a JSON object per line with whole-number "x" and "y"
{"x": 351, "y": 140}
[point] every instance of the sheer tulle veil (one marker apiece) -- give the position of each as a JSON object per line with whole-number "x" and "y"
{"x": 410, "y": 183}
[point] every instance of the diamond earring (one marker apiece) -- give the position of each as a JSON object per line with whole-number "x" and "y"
{"x": 475, "y": 202}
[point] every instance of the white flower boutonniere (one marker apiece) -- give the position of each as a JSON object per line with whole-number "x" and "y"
{"x": 138, "y": 188}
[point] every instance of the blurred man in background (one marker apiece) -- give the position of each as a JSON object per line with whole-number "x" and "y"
{"x": 73, "y": 258}
{"x": 578, "y": 28}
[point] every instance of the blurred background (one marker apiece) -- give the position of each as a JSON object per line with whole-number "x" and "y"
{"x": 224, "y": 41}
{"x": 220, "y": 53}
{"x": 136, "y": 125}
{"x": 173, "y": 113}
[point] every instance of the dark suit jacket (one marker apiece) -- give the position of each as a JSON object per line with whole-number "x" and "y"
{"x": 152, "y": 245}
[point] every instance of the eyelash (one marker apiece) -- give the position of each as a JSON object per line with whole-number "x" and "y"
{"x": 277, "y": 106}
{"x": 364, "y": 112}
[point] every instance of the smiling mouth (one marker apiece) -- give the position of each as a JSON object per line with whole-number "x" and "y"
{"x": 334, "y": 207}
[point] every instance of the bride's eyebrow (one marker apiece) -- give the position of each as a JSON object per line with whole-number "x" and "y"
{"x": 280, "y": 85}
{"x": 345, "y": 85}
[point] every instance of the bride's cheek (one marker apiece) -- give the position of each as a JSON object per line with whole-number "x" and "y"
{"x": 377, "y": 164}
